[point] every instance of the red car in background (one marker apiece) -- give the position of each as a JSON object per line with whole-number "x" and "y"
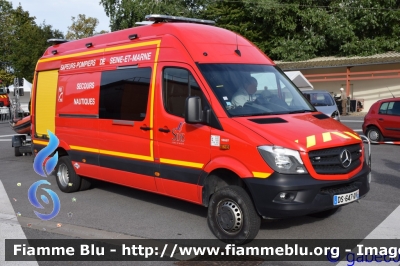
{"x": 383, "y": 120}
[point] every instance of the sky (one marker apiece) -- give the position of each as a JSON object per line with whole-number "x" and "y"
{"x": 58, "y": 13}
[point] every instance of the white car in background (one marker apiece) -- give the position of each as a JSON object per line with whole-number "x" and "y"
{"x": 323, "y": 102}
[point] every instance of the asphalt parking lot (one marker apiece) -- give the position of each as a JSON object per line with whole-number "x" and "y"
{"x": 111, "y": 211}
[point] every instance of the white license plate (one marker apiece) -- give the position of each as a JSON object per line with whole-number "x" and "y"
{"x": 346, "y": 198}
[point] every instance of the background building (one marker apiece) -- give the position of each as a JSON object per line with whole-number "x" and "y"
{"x": 367, "y": 79}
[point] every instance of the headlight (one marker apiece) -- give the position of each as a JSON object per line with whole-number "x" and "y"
{"x": 335, "y": 115}
{"x": 282, "y": 160}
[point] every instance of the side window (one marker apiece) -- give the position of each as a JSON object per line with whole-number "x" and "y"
{"x": 124, "y": 94}
{"x": 178, "y": 84}
{"x": 383, "y": 108}
{"x": 396, "y": 108}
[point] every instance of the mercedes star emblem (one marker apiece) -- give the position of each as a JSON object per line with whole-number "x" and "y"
{"x": 345, "y": 158}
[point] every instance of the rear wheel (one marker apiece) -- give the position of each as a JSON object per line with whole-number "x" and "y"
{"x": 232, "y": 217}
{"x": 67, "y": 180}
{"x": 374, "y": 134}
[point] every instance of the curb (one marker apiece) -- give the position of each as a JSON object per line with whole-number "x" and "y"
{"x": 10, "y": 229}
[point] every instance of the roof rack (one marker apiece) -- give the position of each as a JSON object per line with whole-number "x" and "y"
{"x": 164, "y": 18}
{"x": 57, "y": 41}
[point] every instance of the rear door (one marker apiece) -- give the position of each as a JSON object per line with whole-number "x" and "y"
{"x": 45, "y": 107}
{"x": 182, "y": 149}
{"x": 389, "y": 119}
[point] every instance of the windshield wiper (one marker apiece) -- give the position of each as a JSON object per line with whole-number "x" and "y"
{"x": 268, "y": 113}
{"x": 300, "y": 111}
{"x": 258, "y": 114}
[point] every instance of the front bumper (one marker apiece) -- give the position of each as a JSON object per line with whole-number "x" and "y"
{"x": 305, "y": 195}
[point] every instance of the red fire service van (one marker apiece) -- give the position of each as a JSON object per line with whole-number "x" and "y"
{"x": 4, "y": 99}
{"x": 185, "y": 109}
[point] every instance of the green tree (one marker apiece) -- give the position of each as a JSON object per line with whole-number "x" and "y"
{"x": 28, "y": 43}
{"x": 24, "y": 42}
{"x": 302, "y": 29}
{"x": 284, "y": 29}
{"x": 6, "y": 78}
{"x": 5, "y": 37}
{"x": 83, "y": 27}
{"x": 125, "y": 13}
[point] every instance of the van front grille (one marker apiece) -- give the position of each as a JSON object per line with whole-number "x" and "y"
{"x": 336, "y": 160}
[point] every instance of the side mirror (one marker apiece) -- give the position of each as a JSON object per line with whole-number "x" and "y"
{"x": 193, "y": 112}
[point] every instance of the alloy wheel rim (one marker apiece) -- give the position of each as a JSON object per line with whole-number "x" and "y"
{"x": 63, "y": 175}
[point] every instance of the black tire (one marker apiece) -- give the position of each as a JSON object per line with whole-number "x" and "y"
{"x": 227, "y": 203}
{"x": 67, "y": 180}
{"x": 374, "y": 134}
{"x": 86, "y": 183}
{"x": 324, "y": 214}
{"x": 16, "y": 152}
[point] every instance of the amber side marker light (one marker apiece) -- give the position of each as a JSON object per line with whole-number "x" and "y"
{"x": 84, "y": 160}
{"x": 156, "y": 173}
{"x": 224, "y": 147}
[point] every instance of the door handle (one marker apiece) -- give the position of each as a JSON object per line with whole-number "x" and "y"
{"x": 381, "y": 119}
{"x": 165, "y": 130}
{"x": 145, "y": 128}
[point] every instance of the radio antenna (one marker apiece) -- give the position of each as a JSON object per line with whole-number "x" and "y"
{"x": 237, "y": 51}
{"x": 390, "y": 92}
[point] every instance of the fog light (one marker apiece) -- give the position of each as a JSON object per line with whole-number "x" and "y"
{"x": 285, "y": 197}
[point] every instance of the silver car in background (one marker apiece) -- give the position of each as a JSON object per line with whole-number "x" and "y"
{"x": 323, "y": 102}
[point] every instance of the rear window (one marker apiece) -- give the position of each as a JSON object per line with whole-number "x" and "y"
{"x": 320, "y": 99}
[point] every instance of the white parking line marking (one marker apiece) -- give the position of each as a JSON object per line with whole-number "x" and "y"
{"x": 10, "y": 227}
{"x": 3, "y": 136}
{"x": 355, "y": 121}
{"x": 388, "y": 229}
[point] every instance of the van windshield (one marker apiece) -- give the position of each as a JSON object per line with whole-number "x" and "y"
{"x": 251, "y": 90}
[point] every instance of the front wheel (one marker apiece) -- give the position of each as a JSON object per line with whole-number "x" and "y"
{"x": 374, "y": 134}
{"x": 232, "y": 217}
